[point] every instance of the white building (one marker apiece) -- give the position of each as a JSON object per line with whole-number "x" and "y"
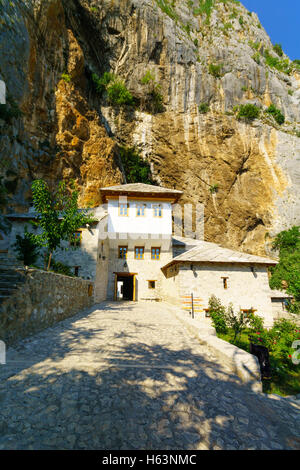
{"x": 132, "y": 254}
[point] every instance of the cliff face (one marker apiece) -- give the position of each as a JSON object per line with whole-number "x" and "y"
{"x": 205, "y": 61}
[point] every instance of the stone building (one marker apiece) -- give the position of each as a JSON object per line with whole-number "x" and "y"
{"x": 132, "y": 254}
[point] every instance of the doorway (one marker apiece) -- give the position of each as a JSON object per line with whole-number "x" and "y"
{"x": 124, "y": 286}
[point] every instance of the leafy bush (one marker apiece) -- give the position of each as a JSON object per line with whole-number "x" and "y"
{"x": 118, "y": 95}
{"x": 203, "y": 108}
{"x": 153, "y": 101}
{"x": 218, "y": 314}
{"x": 66, "y": 77}
{"x": 249, "y": 112}
{"x": 136, "y": 169}
{"x": 278, "y": 49}
{"x": 101, "y": 83}
{"x": 287, "y": 270}
{"x": 276, "y": 113}
{"x": 9, "y": 111}
{"x": 116, "y": 90}
{"x": 27, "y": 250}
{"x": 280, "y": 65}
{"x": 61, "y": 268}
{"x": 214, "y": 188}
{"x": 256, "y": 57}
{"x": 215, "y": 70}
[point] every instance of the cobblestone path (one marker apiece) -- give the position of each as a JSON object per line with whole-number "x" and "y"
{"x": 130, "y": 376}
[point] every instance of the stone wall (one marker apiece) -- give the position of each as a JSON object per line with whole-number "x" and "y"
{"x": 44, "y": 299}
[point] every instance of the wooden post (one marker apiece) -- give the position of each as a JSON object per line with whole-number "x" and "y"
{"x": 192, "y": 297}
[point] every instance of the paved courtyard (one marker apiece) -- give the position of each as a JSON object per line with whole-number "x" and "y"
{"x": 130, "y": 376}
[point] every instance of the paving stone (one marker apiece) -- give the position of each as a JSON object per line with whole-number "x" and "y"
{"x": 128, "y": 376}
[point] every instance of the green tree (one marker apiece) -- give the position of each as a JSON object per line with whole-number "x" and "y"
{"x": 288, "y": 268}
{"x": 27, "y": 250}
{"x": 58, "y": 216}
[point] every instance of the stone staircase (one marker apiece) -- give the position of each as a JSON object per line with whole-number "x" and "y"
{"x": 10, "y": 277}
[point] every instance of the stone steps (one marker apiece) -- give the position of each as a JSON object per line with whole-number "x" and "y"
{"x": 10, "y": 278}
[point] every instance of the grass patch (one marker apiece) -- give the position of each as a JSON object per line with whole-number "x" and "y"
{"x": 276, "y": 113}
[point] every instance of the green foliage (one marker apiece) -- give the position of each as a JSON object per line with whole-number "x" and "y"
{"x": 10, "y": 110}
{"x": 241, "y": 20}
{"x": 236, "y": 321}
{"x": 215, "y": 70}
{"x": 165, "y": 6}
{"x": 26, "y": 248}
{"x": 58, "y": 215}
{"x": 218, "y": 314}
{"x": 214, "y": 188}
{"x": 279, "y": 340}
{"x": 248, "y": 112}
{"x": 288, "y": 269}
{"x": 196, "y": 42}
{"x": 281, "y": 65}
{"x": 276, "y": 113}
{"x": 3, "y": 195}
{"x": 66, "y": 77}
{"x": 203, "y": 108}
{"x": 278, "y": 49}
{"x": 256, "y": 57}
{"x": 118, "y": 95}
{"x": 101, "y": 83}
{"x": 136, "y": 169}
{"x": 61, "y": 268}
{"x": 153, "y": 101}
{"x": 116, "y": 90}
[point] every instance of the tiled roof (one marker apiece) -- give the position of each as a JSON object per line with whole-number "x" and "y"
{"x": 141, "y": 188}
{"x": 213, "y": 253}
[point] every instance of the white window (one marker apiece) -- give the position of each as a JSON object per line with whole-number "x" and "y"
{"x": 157, "y": 210}
{"x": 140, "y": 210}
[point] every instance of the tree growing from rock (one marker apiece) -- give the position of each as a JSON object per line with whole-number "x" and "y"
{"x": 58, "y": 216}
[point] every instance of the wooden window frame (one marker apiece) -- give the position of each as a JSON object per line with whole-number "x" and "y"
{"x": 119, "y": 209}
{"x": 140, "y": 248}
{"x": 155, "y": 248}
{"x": 143, "y": 209}
{"x": 122, "y": 247}
{"x": 149, "y": 286}
{"x": 225, "y": 282}
{"x": 159, "y": 206}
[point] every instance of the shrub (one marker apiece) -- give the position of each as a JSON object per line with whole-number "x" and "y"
{"x": 236, "y": 321}
{"x": 101, "y": 83}
{"x": 27, "y": 250}
{"x": 256, "y": 57}
{"x": 203, "y": 108}
{"x": 218, "y": 314}
{"x": 66, "y": 77}
{"x": 61, "y": 268}
{"x": 249, "y": 112}
{"x": 278, "y": 49}
{"x": 215, "y": 70}
{"x": 9, "y": 111}
{"x": 241, "y": 20}
{"x": 214, "y": 188}
{"x": 118, "y": 94}
{"x": 136, "y": 169}
{"x": 276, "y": 113}
{"x": 280, "y": 65}
{"x": 153, "y": 102}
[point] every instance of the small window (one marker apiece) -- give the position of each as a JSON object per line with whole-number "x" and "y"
{"x": 247, "y": 312}
{"x": 123, "y": 209}
{"x": 139, "y": 252}
{"x": 157, "y": 210}
{"x": 122, "y": 252}
{"x": 151, "y": 284}
{"x": 225, "y": 282}
{"x": 155, "y": 253}
{"x": 76, "y": 239}
{"x": 140, "y": 210}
